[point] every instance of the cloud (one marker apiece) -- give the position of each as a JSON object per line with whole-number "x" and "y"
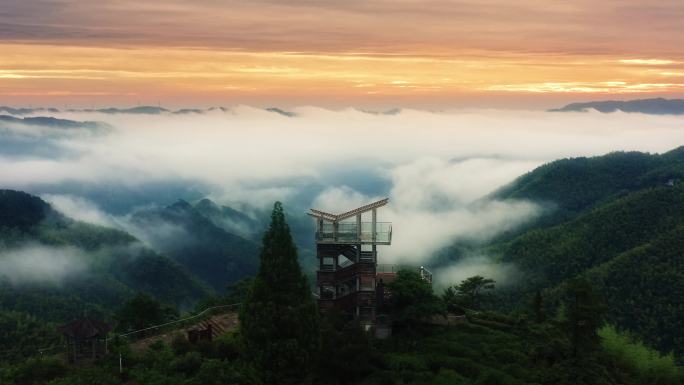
{"x": 503, "y": 273}
{"x": 422, "y": 228}
{"x": 36, "y": 264}
{"x": 434, "y": 166}
{"x": 252, "y": 153}
{"x": 80, "y": 209}
{"x": 353, "y": 26}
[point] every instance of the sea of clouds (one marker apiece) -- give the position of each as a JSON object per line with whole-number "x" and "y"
{"x": 434, "y": 166}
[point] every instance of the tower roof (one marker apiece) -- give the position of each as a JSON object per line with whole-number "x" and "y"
{"x": 85, "y": 328}
{"x": 338, "y": 217}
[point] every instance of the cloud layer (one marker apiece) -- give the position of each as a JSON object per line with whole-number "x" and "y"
{"x": 434, "y": 166}
{"x": 36, "y": 264}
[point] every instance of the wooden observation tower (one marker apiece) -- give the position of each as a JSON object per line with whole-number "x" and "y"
{"x": 346, "y": 247}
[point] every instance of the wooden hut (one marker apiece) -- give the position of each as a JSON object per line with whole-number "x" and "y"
{"x": 85, "y": 339}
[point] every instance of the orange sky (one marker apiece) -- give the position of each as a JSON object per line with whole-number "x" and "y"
{"x": 362, "y": 53}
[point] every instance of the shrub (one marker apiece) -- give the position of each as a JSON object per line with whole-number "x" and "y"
{"x": 180, "y": 345}
{"x": 449, "y": 377}
{"x": 188, "y": 364}
{"x": 649, "y": 364}
{"x": 227, "y": 347}
{"x": 400, "y": 362}
{"x": 36, "y": 371}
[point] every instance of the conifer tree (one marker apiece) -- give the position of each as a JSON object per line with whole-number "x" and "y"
{"x": 279, "y": 320}
{"x": 538, "y": 307}
{"x": 585, "y": 313}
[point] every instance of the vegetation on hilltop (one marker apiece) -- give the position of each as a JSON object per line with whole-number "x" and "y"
{"x": 203, "y": 248}
{"x": 82, "y": 269}
{"x": 279, "y": 318}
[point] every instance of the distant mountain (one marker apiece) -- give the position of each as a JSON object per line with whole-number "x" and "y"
{"x": 230, "y": 219}
{"x": 53, "y": 267}
{"x": 392, "y": 111}
{"x": 186, "y": 111}
{"x": 253, "y": 226}
{"x": 21, "y": 211}
{"x": 196, "y": 242}
{"x": 52, "y": 122}
{"x": 657, "y": 106}
{"x": 276, "y": 110}
{"x": 151, "y": 110}
{"x": 140, "y": 110}
{"x": 25, "y": 111}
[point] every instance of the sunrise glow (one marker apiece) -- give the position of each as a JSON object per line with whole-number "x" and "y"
{"x": 422, "y": 53}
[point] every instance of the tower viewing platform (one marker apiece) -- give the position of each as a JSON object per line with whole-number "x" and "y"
{"x": 348, "y": 227}
{"x": 346, "y": 247}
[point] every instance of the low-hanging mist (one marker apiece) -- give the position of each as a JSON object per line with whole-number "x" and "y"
{"x": 39, "y": 264}
{"x": 435, "y": 166}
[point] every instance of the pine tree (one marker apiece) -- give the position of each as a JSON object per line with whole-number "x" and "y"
{"x": 538, "y": 307}
{"x": 279, "y": 320}
{"x": 585, "y": 313}
{"x": 475, "y": 290}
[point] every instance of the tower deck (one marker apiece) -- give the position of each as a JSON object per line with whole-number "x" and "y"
{"x": 346, "y": 247}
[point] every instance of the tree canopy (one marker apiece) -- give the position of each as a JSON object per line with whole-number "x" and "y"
{"x": 470, "y": 293}
{"x": 412, "y": 298}
{"x": 279, "y": 319}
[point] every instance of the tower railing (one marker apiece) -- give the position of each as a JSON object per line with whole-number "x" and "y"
{"x": 349, "y": 232}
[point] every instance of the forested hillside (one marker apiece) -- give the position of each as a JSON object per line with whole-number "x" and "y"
{"x": 570, "y": 186}
{"x": 616, "y": 220}
{"x": 54, "y": 269}
{"x": 194, "y": 241}
{"x": 282, "y": 339}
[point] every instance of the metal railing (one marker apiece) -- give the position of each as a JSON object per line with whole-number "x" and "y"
{"x": 349, "y": 232}
{"x": 51, "y": 350}
{"x": 176, "y": 322}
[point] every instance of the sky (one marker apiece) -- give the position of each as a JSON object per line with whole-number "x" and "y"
{"x": 367, "y": 54}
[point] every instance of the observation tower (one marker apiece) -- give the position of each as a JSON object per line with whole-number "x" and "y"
{"x": 346, "y": 246}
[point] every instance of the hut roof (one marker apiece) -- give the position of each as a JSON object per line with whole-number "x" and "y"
{"x": 85, "y": 328}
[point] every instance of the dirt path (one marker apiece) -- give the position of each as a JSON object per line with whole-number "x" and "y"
{"x": 220, "y": 324}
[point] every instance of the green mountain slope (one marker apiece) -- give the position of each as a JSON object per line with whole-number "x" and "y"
{"x": 208, "y": 251}
{"x": 229, "y": 219}
{"x": 623, "y": 230}
{"x": 645, "y": 286}
{"x": 55, "y": 268}
{"x": 571, "y": 186}
{"x": 562, "y": 251}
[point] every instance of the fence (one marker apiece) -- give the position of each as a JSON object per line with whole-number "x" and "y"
{"x": 141, "y": 333}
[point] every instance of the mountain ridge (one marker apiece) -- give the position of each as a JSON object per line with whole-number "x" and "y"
{"x": 655, "y": 106}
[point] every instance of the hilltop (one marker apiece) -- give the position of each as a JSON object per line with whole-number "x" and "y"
{"x": 616, "y": 220}
{"x": 657, "y": 106}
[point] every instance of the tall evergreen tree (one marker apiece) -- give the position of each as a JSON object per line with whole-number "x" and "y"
{"x": 585, "y": 313}
{"x": 538, "y": 307}
{"x": 279, "y": 320}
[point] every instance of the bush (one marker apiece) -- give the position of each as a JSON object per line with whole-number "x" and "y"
{"x": 464, "y": 366}
{"x": 188, "y": 364}
{"x": 449, "y": 377}
{"x": 495, "y": 377}
{"x": 227, "y": 347}
{"x": 88, "y": 376}
{"x": 215, "y": 372}
{"x": 651, "y": 366}
{"x": 180, "y": 345}
{"x": 401, "y": 362}
{"x": 37, "y": 370}
{"x": 508, "y": 356}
